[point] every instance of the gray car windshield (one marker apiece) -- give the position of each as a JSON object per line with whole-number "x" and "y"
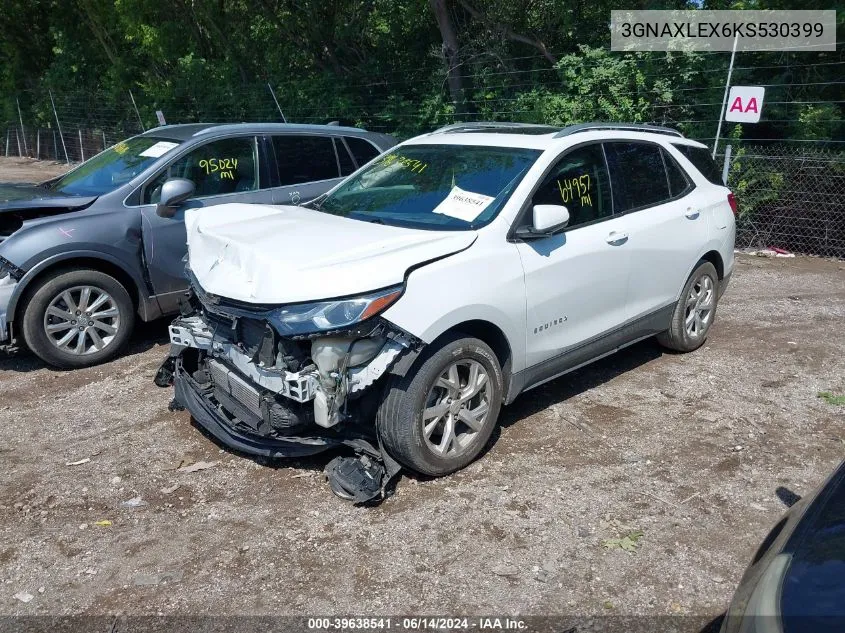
{"x": 114, "y": 167}
{"x": 452, "y": 187}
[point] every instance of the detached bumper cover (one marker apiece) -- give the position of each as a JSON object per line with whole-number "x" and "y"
{"x": 208, "y": 414}
{"x": 7, "y": 287}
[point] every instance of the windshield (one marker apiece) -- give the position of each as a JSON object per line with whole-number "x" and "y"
{"x": 432, "y": 186}
{"x": 114, "y": 167}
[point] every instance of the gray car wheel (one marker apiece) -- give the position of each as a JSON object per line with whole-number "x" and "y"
{"x": 78, "y": 318}
{"x": 438, "y": 417}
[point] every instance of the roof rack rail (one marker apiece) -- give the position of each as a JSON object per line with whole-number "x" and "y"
{"x": 484, "y": 125}
{"x": 631, "y": 127}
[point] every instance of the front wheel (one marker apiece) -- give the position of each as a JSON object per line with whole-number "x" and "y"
{"x": 439, "y": 416}
{"x": 695, "y": 311}
{"x": 78, "y": 318}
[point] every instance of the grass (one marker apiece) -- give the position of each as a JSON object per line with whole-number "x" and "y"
{"x": 831, "y": 399}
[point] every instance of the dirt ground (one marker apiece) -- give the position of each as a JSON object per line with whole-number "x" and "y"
{"x": 29, "y": 169}
{"x": 689, "y": 449}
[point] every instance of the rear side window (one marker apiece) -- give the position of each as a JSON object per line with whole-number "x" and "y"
{"x": 638, "y": 175}
{"x": 304, "y": 159}
{"x": 700, "y": 158}
{"x": 678, "y": 182}
{"x": 362, "y": 150}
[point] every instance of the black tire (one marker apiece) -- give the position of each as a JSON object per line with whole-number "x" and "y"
{"x": 678, "y": 337}
{"x": 400, "y": 416}
{"x": 39, "y": 298}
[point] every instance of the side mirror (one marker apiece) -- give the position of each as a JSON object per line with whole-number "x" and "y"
{"x": 173, "y": 193}
{"x": 546, "y": 220}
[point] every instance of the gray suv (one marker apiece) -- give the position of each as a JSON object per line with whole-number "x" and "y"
{"x": 82, "y": 254}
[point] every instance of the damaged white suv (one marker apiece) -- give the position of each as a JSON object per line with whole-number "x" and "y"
{"x": 397, "y": 313}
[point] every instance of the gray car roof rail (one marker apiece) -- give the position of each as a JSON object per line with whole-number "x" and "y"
{"x": 493, "y": 126}
{"x": 625, "y": 127}
{"x": 277, "y": 127}
{"x": 185, "y": 131}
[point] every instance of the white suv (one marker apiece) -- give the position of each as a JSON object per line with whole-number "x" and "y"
{"x": 397, "y": 313}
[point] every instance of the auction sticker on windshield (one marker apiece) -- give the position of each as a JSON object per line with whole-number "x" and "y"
{"x": 159, "y": 149}
{"x": 463, "y": 205}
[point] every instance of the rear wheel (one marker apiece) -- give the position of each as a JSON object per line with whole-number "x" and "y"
{"x": 438, "y": 417}
{"x": 78, "y": 318}
{"x": 695, "y": 311}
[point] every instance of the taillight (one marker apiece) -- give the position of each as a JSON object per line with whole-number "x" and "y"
{"x": 732, "y": 202}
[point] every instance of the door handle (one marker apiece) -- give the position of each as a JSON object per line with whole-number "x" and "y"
{"x": 615, "y": 238}
{"x": 692, "y": 215}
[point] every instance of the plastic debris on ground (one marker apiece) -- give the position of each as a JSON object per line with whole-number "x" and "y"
{"x": 362, "y": 479}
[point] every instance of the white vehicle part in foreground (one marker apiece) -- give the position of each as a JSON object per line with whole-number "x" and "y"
{"x": 280, "y": 255}
{"x": 329, "y": 386}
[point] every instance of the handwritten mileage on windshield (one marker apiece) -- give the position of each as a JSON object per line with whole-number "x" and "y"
{"x": 414, "y": 165}
{"x": 224, "y": 167}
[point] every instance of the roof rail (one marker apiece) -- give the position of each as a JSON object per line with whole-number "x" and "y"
{"x": 631, "y": 127}
{"x": 487, "y": 125}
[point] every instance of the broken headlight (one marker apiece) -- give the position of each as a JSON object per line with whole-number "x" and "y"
{"x": 336, "y": 314}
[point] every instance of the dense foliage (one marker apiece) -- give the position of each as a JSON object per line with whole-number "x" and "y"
{"x": 397, "y": 65}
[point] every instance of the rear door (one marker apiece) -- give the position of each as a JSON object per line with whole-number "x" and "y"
{"x": 664, "y": 218}
{"x": 222, "y": 170}
{"x": 306, "y": 166}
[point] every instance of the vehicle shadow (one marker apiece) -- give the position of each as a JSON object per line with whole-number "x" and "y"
{"x": 145, "y": 337}
{"x": 576, "y": 382}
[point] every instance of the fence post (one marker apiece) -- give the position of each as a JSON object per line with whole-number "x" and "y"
{"x": 7, "y": 142}
{"x": 59, "y": 125}
{"x": 55, "y": 146}
{"x": 38, "y": 143}
{"x": 81, "y": 149}
{"x": 104, "y": 140}
{"x": 23, "y": 132}
{"x": 143, "y": 129}
{"x": 725, "y": 98}
{"x": 18, "y": 139}
{"x": 727, "y": 166}
{"x": 277, "y": 102}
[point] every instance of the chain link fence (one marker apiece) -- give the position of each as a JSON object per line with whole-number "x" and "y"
{"x": 790, "y": 194}
{"x": 790, "y": 197}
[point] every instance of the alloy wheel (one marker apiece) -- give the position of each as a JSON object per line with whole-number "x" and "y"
{"x": 698, "y": 310}
{"x": 82, "y": 320}
{"x": 457, "y": 408}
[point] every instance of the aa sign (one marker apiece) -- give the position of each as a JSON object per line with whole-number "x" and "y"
{"x": 745, "y": 104}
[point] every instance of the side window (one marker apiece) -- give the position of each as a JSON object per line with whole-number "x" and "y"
{"x": 362, "y": 150}
{"x": 639, "y": 178}
{"x": 343, "y": 157}
{"x": 305, "y": 159}
{"x": 217, "y": 168}
{"x": 701, "y": 159}
{"x": 579, "y": 182}
{"x": 678, "y": 182}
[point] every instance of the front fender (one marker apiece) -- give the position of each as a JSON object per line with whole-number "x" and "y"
{"x": 70, "y": 255}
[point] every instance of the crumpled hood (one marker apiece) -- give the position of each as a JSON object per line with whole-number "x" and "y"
{"x": 285, "y": 254}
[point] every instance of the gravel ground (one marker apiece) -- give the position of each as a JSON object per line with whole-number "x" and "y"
{"x": 29, "y": 169}
{"x": 688, "y": 449}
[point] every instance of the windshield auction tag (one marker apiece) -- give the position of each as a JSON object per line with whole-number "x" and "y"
{"x": 463, "y": 205}
{"x": 159, "y": 149}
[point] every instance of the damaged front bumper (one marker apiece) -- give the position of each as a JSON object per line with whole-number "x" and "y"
{"x": 262, "y": 394}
